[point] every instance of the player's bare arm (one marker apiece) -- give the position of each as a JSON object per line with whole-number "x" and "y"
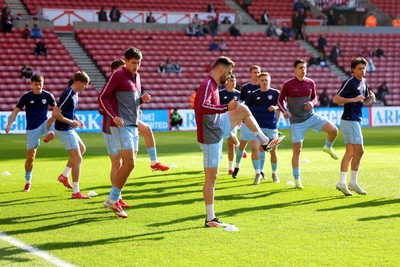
{"x": 11, "y": 119}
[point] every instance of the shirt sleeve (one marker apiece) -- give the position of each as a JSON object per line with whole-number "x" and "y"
{"x": 281, "y": 98}
{"x": 106, "y": 94}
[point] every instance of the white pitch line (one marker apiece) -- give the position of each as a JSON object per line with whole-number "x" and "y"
{"x": 50, "y": 258}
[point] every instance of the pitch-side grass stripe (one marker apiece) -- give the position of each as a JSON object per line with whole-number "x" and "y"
{"x": 50, "y": 258}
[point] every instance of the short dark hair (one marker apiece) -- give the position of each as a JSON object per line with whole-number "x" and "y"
{"x": 358, "y": 60}
{"x": 117, "y": 63}
{"x": 226, "y": 61}
{"x": 254, "y": 67}
{"x": 133, "y": 52}
{"x": 264, "y": 74}
{"x": 37, "y": 78}
{"x": 81, "y": 76}
{"x": 299, "y": 61}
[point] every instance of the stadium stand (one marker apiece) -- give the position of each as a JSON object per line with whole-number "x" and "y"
{"x": 173, "y": 90}
{"x": 389, "y": 7}
{"x": 57, "y": 68}
{"x": 384, "y": 65}
{"x": 149, "y": 5}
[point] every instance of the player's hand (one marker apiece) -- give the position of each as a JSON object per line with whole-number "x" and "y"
{"x": 118, "y": 121}
{"x": 8, "y": 127}
{"x": 371, "y": 95}
{"x": 81, "y": 124}
{"x": 145, "y": 98}
{"x": 309, "y": 105}
{"x": 74, "y": 124}
{"x": 56, "y": 110}
{"x": 271, "y": 108}
{"x": 358, "y": 98}
{"x": 233, "y": 104}
{"x": 287, "y": 114}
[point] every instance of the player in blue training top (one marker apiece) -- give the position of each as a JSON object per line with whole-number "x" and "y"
{"x": 36, "y": 102}
{"x": 245, "y": 134}
{"x": 65, "y": 126}
{"x": 353, "y": 94}
{"x": 225, "y": 96}
{"x": 263, "y": 104}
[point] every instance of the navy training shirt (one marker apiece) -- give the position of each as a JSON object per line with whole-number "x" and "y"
{"x": 67, "y": 103}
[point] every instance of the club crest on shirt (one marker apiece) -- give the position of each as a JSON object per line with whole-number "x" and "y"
{"x": 258, "y": 98}
{"x": 270, "y": 97}
{"x": 31, "y": 102}
{"x": 44, "y": 101}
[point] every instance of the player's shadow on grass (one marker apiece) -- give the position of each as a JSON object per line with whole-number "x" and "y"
{"x": 383, "y": 217}
{"x": 364, "y": 204}
{"x": 11, "y": 254}
{"x": 243, "y": 210}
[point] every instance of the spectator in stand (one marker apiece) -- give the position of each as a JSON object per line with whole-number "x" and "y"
{"x": 169, "y": 66}
{"x": 313, "y": 62}
{"x": 396, "y": 21}
{"x": 115, "y": 14}
{"x": 150, "y": 18}
{"x": 324, "y": 99}
{"x": 176, "y": 120}
{"x": 211, "y": 8}
{"x": 341, "y": 21}
{"x": 36, "y": 32}
{"x": 265, "y": 17}
{"x": 286, "y": 30}
{"x": 298, "y": 5}
{"x": 40, "y": 49}
{"x": 223, "y": 46}
{"x": 199, "y": 31}
{"x": 297, "y": 25}
{"x": 271, "y": 31}
{"x": 26, "y": 33}
{"x": 177, "y": 67}
{"x": 336, "y": 52}
{"x": 102, "y": 14}
{"x": 161, "y": 67}
{"x": 190, "y": 30}
{"x": 234, "y": 31}
{"x": 364, "y": 52}
{"x": 370, "y": 21}
{"x": 26, "y": 71}
{"x": 213, "y": 24}
{"x": 379, "y": 52}
{"x": 8, "y": 22}
{"x": 322, "y": 43}
{"x": 370, "y": 66}
{"x": 214, "y": 45}
{"x": 383, "y": 90}
{"x": 196, "y": 21}
{"x": 322, "y": 60}
{"x": 226, "y": 20}
{"x": 331, "y": 18}
{"x": 192, "y": 97}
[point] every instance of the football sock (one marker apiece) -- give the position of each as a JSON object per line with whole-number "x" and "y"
{"x": 115, "y": 194}
{"x": 274, "y": 166}
{"x": 354, "y": 175}
{"x": 210, "y": 212}
{"x": 256, "y": 165}
{"x": 230, "y": 165}
{"x": 239, "y": 155}
{"x": 75, "y": 187}
{"x": 328, "y": 144}
{"x": 66, "y": 171}
{"x": 343, "y": 177}
{"x": 296, "y": 173}
{"x": 152, "y": 151}
{"x": 28, "y": 176}
{"x": 262, "y": 154}
{"x": 261, "y": 137}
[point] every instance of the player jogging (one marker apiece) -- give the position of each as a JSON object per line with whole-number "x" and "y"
{"x": 353, "y": 94}
{"x": 300, "y": 95}
{"x": 36, "y": 102}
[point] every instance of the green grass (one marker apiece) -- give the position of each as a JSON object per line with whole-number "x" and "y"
{"x": 279, "y": 226}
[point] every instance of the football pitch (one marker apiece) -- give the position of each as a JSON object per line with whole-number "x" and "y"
{"x": 279, "y": 225}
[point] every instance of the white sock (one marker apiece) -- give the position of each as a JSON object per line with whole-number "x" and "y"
{"x": 210, "y": 212}
{"x": 153, "y": 162}
{"x": 354, "y": 175}
{"x": 237, "y": 165}
{"x": 75, "y": 187}
{"x": 230, "y": 165}
{"x": 343, "y": 176}
{"x": 264, "y": 140}
{"x": 257, "y": 171}
{"x": 66, "y": 171}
